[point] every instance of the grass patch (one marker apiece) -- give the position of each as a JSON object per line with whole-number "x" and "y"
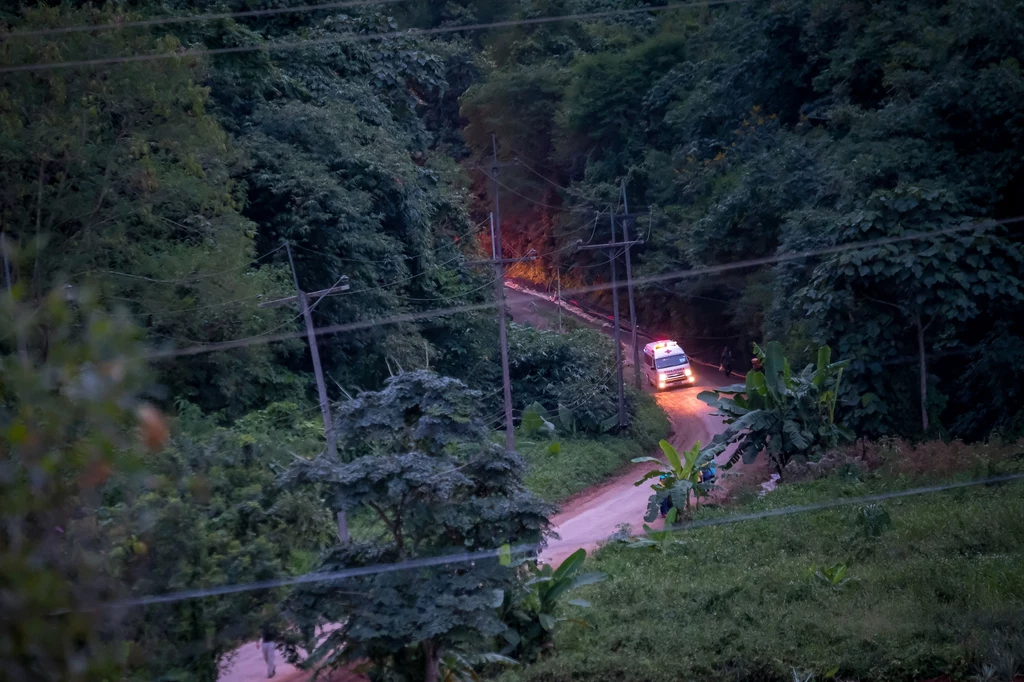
{"x": 932, "y": 593}
{"x": 584, "y": 460}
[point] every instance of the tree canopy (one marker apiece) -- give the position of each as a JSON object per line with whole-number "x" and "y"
{"x": 436, "y": 484}
{"x": 773, "y": 128}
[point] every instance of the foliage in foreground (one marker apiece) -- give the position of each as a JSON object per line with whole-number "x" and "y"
{"x": 113, "y": 520}
{"x": 782, "y": 414}
{"x": 937, "y": 590}
{"x": 533, "y": 608}
{"x": 426, "y": 468}
{"x": 66, "y": 411}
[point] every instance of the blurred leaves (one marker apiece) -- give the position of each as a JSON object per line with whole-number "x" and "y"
{"x": 66, "y": 419}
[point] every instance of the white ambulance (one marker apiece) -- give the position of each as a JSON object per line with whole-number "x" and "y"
{"x": 665, "y": 364}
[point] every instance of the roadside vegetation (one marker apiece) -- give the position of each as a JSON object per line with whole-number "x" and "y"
{"x": 907, "y": 589}
{"x": 581, "y": 461}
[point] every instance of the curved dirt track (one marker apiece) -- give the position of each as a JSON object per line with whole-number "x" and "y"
{"x": 589, "y": 518}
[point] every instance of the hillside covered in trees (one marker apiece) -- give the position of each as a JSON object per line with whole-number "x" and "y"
{"x": 171, "y": 171}
{"x": 772, "y": 128}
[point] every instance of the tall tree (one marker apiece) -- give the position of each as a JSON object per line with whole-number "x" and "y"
{"x": 424, "y": 466}
{"x": 119, "y": 176}
{"x": 885, "y": 302}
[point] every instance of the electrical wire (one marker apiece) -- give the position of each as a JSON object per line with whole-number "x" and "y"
{"x": 164, "y": 313}
{"x": 651, "y": 279}
{"x": 526, "y": 549}
{"x": 490, "y": 283}
{"x": 408, "y": 33}
{"x": 370, "y": 261}
{"x": 179, "y": 282}
{"x": 576, "y": 193}
{"x": 523, "y": 196}
{"x": 195, "y": 18}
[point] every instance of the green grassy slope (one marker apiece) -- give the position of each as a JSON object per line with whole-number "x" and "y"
{"x": 938, "y": 592}
{"x": 588, "y": 460}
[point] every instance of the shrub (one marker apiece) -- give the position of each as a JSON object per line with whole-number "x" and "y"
{"x": 896, "y": 457}
{"x": 575, "y": 370}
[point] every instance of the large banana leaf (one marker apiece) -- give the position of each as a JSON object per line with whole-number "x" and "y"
{"x": 572, "y": 563}
{"x": 672, "y": 455}
{"x": 776, "y": 372}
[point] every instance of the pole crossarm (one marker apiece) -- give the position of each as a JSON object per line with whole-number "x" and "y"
{"x": 609, "y": 245}
{"x": 502, "y": 261}
{"x": 323, "y": 293}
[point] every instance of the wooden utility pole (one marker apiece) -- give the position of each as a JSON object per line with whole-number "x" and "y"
{"x": 558, "y": 296}
{"x": 629, "y": 288}
{"x": 499, "y": 283}
{"x": 612, "y": 247}
{"x": 618, "y": 327}
{"x": 499, "y": 271}
{"x": 302, "y": 298}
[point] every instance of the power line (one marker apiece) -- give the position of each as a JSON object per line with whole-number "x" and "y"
{"x": 463, "y": 294}
{"x": 576, "y": 193}
{"x": 192, "y": 280}
{"x": 145, "y": 23}
{"x": 408, "y": 33}
{"x": 370, "y": 261}
{"x": 529, "y": 549}
{"x": 651, "y": 279}
{"x": 523, "y": 196}
{"x": 405, "y": 280}
{"x": 800, "y": 255}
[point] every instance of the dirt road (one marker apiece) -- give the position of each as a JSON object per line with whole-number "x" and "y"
{"x": 247, "y": 665}
{"x": 588, "y": 519}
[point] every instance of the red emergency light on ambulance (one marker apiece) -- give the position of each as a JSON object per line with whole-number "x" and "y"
{"x": 665, "y": 364}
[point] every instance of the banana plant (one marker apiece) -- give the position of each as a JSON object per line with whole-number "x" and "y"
{"x": 459, "y": 666}
{"x": 778, "y": 412}
{"x": 834, "y": 576}
{"x": 662, "y": 540}
{"x": 533, "y": 610}
{"x": 679, "y": 479}
{"x": 535, "y": 420}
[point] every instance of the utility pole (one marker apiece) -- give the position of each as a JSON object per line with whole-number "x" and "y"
{"x": 612, "y": 247}
{"x": 19, "y": 337}
{"x": 558, "y": 295}
{"x": 618, "y": 327}
{"x": 494, "y": 251}
{"x": 302, "y": 298}
{"x": 499, "y": 283}
{"x": 629, "y": 287}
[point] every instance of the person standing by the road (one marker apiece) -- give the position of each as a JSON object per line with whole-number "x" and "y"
{"x": 726, "y": 365}
{"x": 268, "y": 645}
